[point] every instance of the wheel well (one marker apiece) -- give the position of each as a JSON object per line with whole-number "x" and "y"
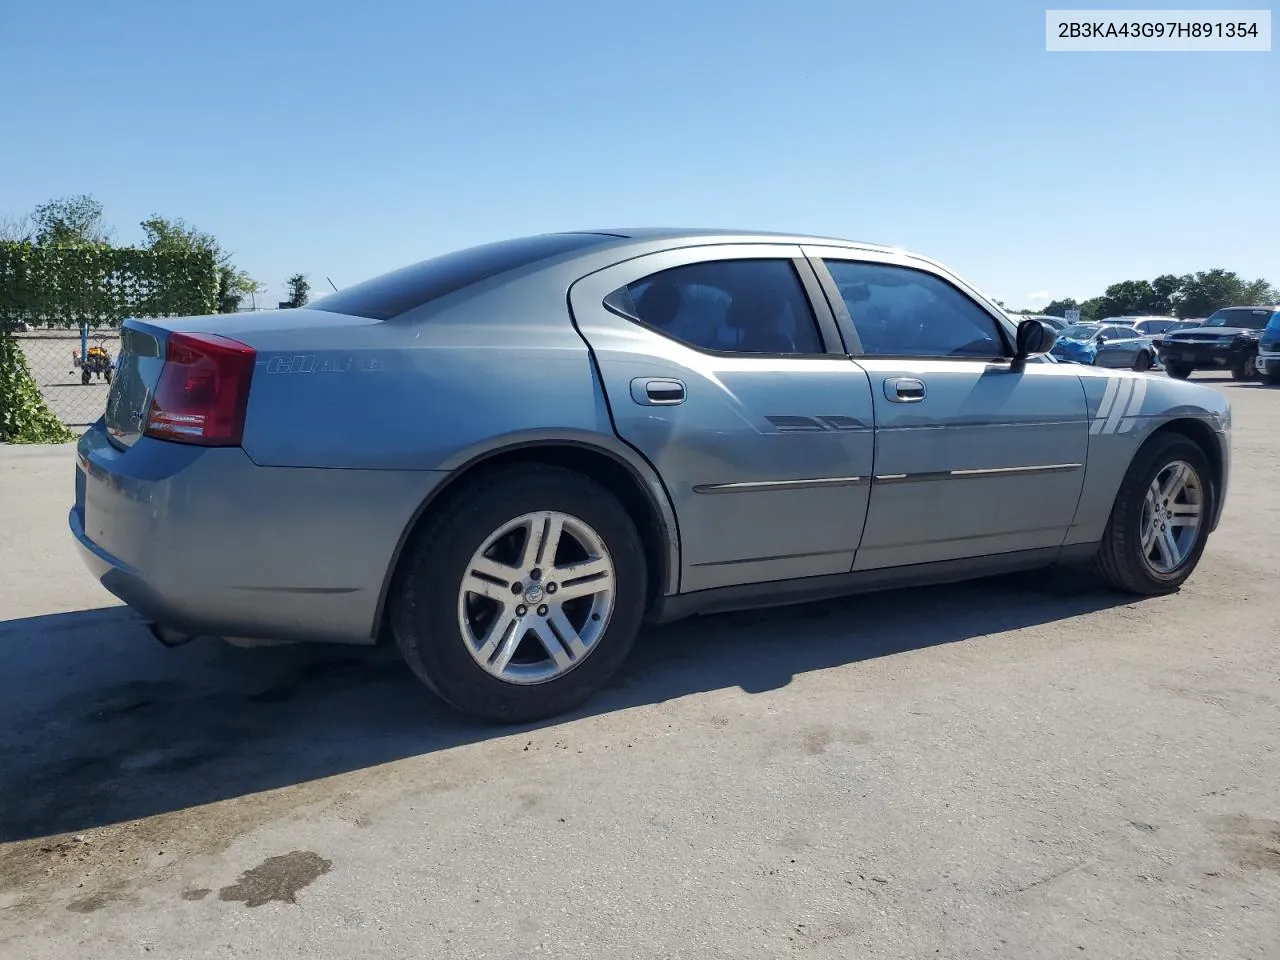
{"x": 604, "y": 469}
{"x": 1203, "y": 436}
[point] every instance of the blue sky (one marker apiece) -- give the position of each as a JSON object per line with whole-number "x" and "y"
{"x": 342, "y": 139}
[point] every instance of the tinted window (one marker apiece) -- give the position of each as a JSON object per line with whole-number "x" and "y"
{"x": 400, "y": 291}
{"x": 736, "y": 306}
{"x": 1156, "y": 326}
{"x": 1273, "y": 325}
{"x": 1246, "y": 317}
{"x": 899, "y": 311}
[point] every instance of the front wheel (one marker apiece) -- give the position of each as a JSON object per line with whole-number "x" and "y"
{"x": 1271, "y": 379}
{"x": 522, "y": 596}
{"x": 1246, "y": 368}
{"x": 1177, "y": 370}
{"x": 1160, "y": 519}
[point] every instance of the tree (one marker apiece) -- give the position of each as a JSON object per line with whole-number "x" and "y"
{"x": 1202, "y": 293}
{"x": 1166, "y": 288}
{"x": 1059, "y": 308}
{"x": 299, "y": 291}
{"x": 1093, "y": 309}
{"x": 17, "y": 229}
{"x": 177, "y": 235}
{"x": 72, "y": 222}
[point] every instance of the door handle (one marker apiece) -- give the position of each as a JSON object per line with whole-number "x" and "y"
{"x": 657, "y": 392}
{"x": 904, "y": 389}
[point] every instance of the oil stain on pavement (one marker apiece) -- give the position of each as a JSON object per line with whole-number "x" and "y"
{"x": 277, "y": 878}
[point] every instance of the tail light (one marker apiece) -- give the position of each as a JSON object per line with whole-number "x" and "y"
{"x": 203, "y": 391}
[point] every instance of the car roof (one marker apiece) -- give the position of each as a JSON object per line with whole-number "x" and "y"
{"x": 678, "y": 233}
{"x": 737, "y": 235}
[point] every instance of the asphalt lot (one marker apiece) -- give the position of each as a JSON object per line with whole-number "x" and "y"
{"x": 1026, "y": 767}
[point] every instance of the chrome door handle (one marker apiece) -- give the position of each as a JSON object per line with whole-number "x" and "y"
{"x": 904, "y": 389}
{"x": 657, "y": 392}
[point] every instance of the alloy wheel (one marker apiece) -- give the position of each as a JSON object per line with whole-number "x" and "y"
{"x": 1171, "y": 516}
{"x": 536, "y": 597}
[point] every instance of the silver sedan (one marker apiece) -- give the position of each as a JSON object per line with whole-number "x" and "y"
{"x": 505, "y": 459}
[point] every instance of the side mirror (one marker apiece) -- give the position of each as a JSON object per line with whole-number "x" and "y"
{"x": 1035, "y": 337}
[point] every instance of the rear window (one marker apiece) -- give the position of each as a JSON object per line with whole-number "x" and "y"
{"x": 400, "y": 291}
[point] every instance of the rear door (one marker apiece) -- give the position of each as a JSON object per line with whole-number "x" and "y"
{"x": 1120, "y": 348}
{"x": 972, "y": 457}
{"x": 723, "y": 367}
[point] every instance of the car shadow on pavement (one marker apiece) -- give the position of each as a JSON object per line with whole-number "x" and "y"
{"x": 99, "y": 724}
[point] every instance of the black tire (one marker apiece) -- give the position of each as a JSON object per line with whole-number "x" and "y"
{"x": 1120, "y": 558}
{"x": 1142, "y": 362}
{"x": 1245, "y": 369}
{"x": 107, "y": 375}
{"x": 1271, "y": 379}
{"x": 1177, "y": 370}
{"x": 424, "y": 611}
{"x": 85, "y": 376}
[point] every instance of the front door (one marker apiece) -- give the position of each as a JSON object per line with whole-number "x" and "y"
{"x": 972, "y": 457}
{"x": 723, "y": 367}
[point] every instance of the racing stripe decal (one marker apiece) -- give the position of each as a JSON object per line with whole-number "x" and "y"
{"x": 1104, "y": 408}
{"x": 1123, "y": 392}
{"x": 1135, "y": 405}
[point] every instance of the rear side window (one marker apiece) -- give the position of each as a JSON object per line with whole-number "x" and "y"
{"x": 400, "y": 291}
{"x": 902, "y": 312}
{"x": 725, "y": 306}
{"x": 1273, "y": 325}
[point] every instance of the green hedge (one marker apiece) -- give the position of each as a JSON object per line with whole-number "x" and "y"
{"x": 24, "y": 416}
{"x": 98, "y": 286}
{"x": 72, "y": 286}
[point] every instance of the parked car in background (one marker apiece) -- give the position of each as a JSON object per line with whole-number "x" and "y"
{"x": 1105, "y": 345}
{"x": 1227, "y": 340}
{"x": 505, "y": 459}
{"x": 1153, "y": 327}
{"x": 1268, "y": 363}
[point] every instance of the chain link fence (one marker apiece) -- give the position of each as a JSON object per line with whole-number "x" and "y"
{"x": 72, "y": 368}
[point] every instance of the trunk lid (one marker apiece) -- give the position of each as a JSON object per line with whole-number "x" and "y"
{"x": 143, "y": 345}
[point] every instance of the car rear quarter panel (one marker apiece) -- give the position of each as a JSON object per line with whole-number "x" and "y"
{"x": 1125, "y": 409}
{"x": 492, "y": 369}
{"x": 206, "y": 541}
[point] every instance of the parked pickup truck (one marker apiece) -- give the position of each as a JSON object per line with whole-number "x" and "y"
{"x": 1228, "y": 340}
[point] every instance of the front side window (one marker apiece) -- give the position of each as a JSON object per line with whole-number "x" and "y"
{"x": 1273, "y": 325}
{"x": 903, "y": 312}
{"x": 725, "y": 306}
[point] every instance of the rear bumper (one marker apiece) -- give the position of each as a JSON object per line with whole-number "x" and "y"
{"x": 205, "y": 541}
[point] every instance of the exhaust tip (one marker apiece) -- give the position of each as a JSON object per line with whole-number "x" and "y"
{"x": 168, "y": 636}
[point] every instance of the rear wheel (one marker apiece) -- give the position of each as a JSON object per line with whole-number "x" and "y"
{"x": 1160, "y": 520}
{"x": 523, "y": 595}
{"x": 85, "y": 376}
{"x": 1177, "y": 370}
{"x": 1142, "y": 361}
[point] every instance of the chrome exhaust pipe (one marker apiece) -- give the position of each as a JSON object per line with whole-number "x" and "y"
{"x": 169, "y": 637}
